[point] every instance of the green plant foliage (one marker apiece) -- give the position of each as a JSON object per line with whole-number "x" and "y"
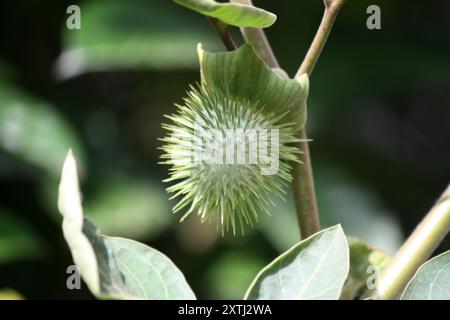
{"x": 114, "y": 267}
{"x": 241, "y": 73}
{"x": 431, "y": 281}
{"x": 315, "y": 268}
{"x": 33, "y": 131}
{"x": 239, "y": 93}
{"x": 235, "y": 14}
{"x": 117, "y": 35}
{"x": 366, "y": 263}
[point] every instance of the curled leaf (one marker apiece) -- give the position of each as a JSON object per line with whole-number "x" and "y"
{"x": 235, "y": 14}
{"x": 243, "y": 74}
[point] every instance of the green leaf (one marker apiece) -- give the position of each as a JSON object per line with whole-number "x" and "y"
{"x": 113, "y": 267}
{"x": 366, "y": 263}
{"x": 235, "y": 14}
{"x": 315, "y": 268}
{"x": 138, "y": 34}
{"x": 33, "y": 131}
{"x": 431, "y": 281}
{"x": 241, "y": 73}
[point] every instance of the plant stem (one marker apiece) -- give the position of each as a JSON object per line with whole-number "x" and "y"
{"x": 222, "y": 30}
{"x": 416, "y": 250}
{"x": 257, "y": 38}
{"x": 303, "y": 178}
{"x": 304, "y": 190}
{"x": 331, "y": 11}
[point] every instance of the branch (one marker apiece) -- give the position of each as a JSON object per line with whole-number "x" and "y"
{"x": 332, "y": 8}
{"x": 257, "y": 38}
{"x": 222, "y": 30}
{"x": 303, "y": 178}
{"x": 416, "y": 250}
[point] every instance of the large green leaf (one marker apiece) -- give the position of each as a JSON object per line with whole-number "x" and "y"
{"x": 366, "y": 262}
{"x": 431, "y": 281}
{"x": 315, "y": 268}
{"x": 114, "y": 267}
{"x": 235, "y": 14}
{"x": 243, "y": 74}
{"x": 33, "y": 131}
{"x": 138, "y": 34}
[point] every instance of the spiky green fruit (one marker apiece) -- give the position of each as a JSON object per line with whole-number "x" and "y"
{"x": 223, "y": 151}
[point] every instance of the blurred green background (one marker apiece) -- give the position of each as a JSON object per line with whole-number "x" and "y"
{"x": 379, "y": 118}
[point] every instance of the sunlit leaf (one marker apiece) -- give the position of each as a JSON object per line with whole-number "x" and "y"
{"x": 235, "y": 14}
{"x": 431, "y": 281}
{"x": 315, "y": 268}
{"x": 114, "y": 267}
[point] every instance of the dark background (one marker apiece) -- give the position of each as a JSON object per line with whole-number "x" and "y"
{"x": 379, "y": 118}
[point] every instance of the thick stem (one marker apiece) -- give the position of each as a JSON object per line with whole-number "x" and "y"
{"x": 416, "y": 250}
{"x": 222, "y": 30}
{"x": 304, "y": 190}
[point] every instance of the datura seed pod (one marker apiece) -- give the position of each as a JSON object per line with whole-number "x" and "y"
{"x": 228, "y": 152}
